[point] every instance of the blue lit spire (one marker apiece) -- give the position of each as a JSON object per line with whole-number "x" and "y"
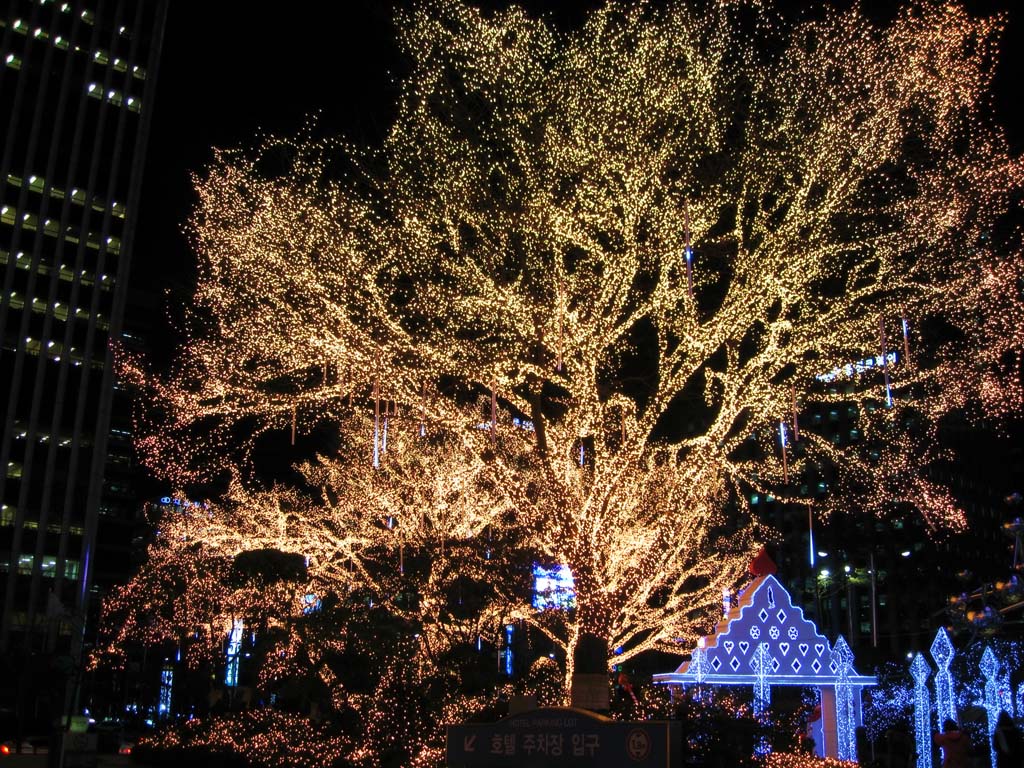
{"x": 921, "y": 670}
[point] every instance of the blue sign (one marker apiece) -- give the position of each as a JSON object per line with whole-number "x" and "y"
{"x": 554, "y": 737}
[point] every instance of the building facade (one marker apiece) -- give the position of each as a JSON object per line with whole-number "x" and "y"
{"x": 77, "y": 84}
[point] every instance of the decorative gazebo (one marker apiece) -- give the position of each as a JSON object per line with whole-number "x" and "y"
{"x": 764, "y": 640}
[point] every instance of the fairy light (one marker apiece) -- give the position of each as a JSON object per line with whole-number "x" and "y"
{"x": 796, "y": 418}
{"x": 810, "y": 535}
{"x": 782, "y": 444}
{"x": 920, "y": 670}
{"x": 538, "y": 249}
{"x": 790, "y": 760}
{"x": 992, "y": 703}
{"x": 688, "y": 250}
{"x": 906, "y": 340}
{"x": 846, "y": 721}
{"x": 942, "y": 654}
{"x": 885, "y": 362}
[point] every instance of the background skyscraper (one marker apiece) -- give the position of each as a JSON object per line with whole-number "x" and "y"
{"x": 76, "y": 90}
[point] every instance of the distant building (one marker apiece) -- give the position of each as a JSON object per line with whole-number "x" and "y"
{"x": 883, "y": 584}
{"x": 76, "y": 92}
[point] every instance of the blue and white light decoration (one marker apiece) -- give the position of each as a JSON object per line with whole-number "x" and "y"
{"x": 311, "y": 603}
{"x": 761, "y": 663}
{"x": 921, "y": 671}
{"x": 846, "y": 717}
{"x": 762, "y": 666}
{"x": 688, "y": 250}
{"x": 765, "y": 640}
{"x": 376, "y": 439}
{"x": 885, "y": 362}
{"x": 163, "y": 706}
{"x": 942, "y": 655}
{"x": 234, "y": 653}
{"x": 850, "y": 370}
{"x": 698, "y": 664}
{"x": 175, "y": 501}
{"x": 1005, "y": 690}
{"x": 810, "y": 534}
{"x": 783, "y": 443}
{"x": 993, "y": 702}
{"x": 553, "y": 588}
{"x": 507, "y": 654}
{"x": 891, "y": 704}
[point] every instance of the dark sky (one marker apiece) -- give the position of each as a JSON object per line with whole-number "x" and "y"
{"x": 229, "y": 71}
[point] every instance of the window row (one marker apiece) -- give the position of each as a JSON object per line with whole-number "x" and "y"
{"x": 22, "y": 261}
{"x": 115, "y": 97}
{"x": 47, "y": 566}
{"x": 60, "y": 310}
{"x": 38, "y": 184}
{"x": 54, "y": 350}
{"x": 43, "y": 437}
{"x": 99, "y": 55}
{"x": 8, "y": 515}
{"x": 50, "y": 227}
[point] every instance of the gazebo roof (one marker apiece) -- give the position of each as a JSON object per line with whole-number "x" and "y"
{"x": 764, "y": 615}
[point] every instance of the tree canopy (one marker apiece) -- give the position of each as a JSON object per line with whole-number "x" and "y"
{"x": 576, "y": 304}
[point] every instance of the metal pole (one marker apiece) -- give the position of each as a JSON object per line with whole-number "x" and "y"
{"x": 874, "y": 601}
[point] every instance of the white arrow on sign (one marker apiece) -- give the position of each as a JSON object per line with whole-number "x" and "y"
{"x": 469, "y": 743}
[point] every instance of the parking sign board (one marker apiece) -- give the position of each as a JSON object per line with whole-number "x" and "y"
{"x": 559, "y": 737}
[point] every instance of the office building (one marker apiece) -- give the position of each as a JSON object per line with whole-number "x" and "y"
{"x": 77, "y": 84}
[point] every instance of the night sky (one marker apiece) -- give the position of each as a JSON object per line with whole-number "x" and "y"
{"x": 228, "y": 72}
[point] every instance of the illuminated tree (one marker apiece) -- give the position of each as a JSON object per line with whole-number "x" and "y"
{"x": 583, "y": 292}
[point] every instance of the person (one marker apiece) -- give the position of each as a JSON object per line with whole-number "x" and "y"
{"x": 954, "y": 743}
{"x": 1007, "y": 743}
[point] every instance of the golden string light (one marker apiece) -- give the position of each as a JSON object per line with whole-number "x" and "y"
{"x": 641, "y": 242}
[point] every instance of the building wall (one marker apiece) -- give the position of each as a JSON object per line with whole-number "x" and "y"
{"x": 76, "y": 90}
{"x": 884, "y": 583}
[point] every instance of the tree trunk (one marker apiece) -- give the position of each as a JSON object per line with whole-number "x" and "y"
{"x": 588, "y": 650}
{"x": 588, "y": 686}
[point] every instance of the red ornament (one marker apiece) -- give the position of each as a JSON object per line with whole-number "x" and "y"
{"x": 761, "y": 565}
